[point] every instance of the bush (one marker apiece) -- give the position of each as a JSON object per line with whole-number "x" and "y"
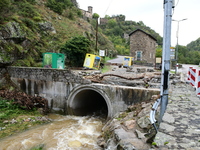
{"x": 37, "y": 18}
{"x": 58, "y": 6}
{"x": 26, "y": 10}
{"x": 75, "y": 50}
{"x": 29, "y": 23}
{"x": 5, "y": 10}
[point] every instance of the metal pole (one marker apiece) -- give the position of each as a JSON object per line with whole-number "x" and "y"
{"x": 176, "y": 69}
{"x": 168, "y": 4}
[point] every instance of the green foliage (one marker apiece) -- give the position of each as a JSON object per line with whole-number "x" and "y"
{"x": 59, "y": 6}
{"x": 75, "y": 50}
{"x": 8, "y": 111}
{"x": 112, "y": 23}
{"x": 55, "y": 6}
{"x": 25, "y": 9}
{"x": 154, "y": 144}
{"x": 4, "y": 4}
{"x": 194, "y": 45}
{"x": 39, "y": 147}
{"x": 159, "y": 51}
{"x": 33, "y": 2}
{"x": 105, "y": 69}
{"x": 166, "y": 143}
{"x": 37, "y": 18}
{"x": 116, "y": 27}
{"x": 5, "y": 10}
{"x": 7, "y": 104}
{"x": 95, "y": 16}
{"x": 29, "y": 23}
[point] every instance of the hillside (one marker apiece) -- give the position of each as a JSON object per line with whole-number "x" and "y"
{"x": 29, "y": 28}
{"x": 194, "y": 45}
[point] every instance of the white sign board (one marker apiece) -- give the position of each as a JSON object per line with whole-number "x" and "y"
{"x": 172, "y": 54}
{"x": 101, "y": 52}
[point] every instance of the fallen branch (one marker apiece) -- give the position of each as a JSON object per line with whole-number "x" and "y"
{"x": 128, "y": 78}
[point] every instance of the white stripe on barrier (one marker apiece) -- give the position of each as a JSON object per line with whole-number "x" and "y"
{"x": 192, "y": 76}
{"x": 189, "y": 72}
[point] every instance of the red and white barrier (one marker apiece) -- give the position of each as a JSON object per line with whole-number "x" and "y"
{"x": 189, "y": 73}
{"x": 192, "y": 77}
{"x": 198, "y": 84}
{"x": 193, "y": 80}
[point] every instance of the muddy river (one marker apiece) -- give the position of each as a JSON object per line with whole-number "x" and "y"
{"x": 64, "y": 133}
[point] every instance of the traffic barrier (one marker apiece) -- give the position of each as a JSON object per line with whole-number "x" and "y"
{"x": 189, "y": 73}
{"x": 192, "y": 77}
{"x": 198, "y": 84}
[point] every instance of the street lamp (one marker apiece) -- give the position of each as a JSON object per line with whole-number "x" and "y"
{"x": 176, "y": 58}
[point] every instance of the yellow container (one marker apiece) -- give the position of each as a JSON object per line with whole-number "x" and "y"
{"x": 92, "y": 61}
{"x": 128, "y": 61}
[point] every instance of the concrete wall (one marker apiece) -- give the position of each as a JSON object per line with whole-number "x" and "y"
{"x": 66, "y": 91}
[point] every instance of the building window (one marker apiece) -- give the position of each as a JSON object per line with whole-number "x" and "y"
{"x": 138, "y": 55}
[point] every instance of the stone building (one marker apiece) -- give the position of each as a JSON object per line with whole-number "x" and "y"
{"x": 87, "y": 14}
{"x": 142, "y": 46}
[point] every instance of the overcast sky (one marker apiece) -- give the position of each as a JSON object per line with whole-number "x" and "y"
{"x": 151, "y": 12}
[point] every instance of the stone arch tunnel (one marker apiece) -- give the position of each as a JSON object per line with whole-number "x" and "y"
{"x": 87, "y": 100}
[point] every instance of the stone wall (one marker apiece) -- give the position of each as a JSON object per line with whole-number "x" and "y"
{"x": 53, "y": 84}
{"x": 2, "y": 78}
{"x": 87, "y": 14}
{"x": 141, "y": 41}
{"x": 47, "y": 74}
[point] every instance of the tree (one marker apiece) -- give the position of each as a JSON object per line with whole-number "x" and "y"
{"x": 75, "y": 50}
{"x": 95, "y": 16}
{"x": 159, "y": 51}
{"x": 112, "y": 23}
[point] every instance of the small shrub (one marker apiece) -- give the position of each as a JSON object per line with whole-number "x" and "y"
{"x": 37, "y": 18}
{"x": 29, "y": 23}
{"x": 27, "y": 10}
{"x": 166, "y": 143}
{"x": 154, "y": 144}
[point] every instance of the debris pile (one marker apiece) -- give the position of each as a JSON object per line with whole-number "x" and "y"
{"x": 25, "y": 101}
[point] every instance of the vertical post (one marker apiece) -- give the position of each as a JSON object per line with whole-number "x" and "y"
{"x": 176, "y": 69}
{"x": 168, "y": 4}
{"x": 96, "y": 36}
{"x": 176, "y": 58}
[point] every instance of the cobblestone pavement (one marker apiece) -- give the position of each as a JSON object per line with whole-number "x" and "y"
{"x": 180, "y": 128}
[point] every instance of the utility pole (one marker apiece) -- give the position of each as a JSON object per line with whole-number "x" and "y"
{"x": 168, "y": 5}
{"x": 163, "y": 99}
{"x": 176, "y": 58}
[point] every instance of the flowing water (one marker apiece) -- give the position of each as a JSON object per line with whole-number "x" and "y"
{"x": 64, "y": 133}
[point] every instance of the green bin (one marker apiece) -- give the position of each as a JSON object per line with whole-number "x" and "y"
{"x": 54, "y": 60}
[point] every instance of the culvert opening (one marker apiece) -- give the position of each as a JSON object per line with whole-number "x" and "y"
{"x": 88, "y": 102}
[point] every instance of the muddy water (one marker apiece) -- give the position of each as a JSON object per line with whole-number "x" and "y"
{"x": 64, "y": 133}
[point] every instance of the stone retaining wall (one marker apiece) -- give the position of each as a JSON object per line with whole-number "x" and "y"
{"x": 47, "y": 74}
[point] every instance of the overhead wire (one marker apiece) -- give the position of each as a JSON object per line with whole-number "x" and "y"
{"x": 175, "y": 6}
{"x": 108, "y": 7}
